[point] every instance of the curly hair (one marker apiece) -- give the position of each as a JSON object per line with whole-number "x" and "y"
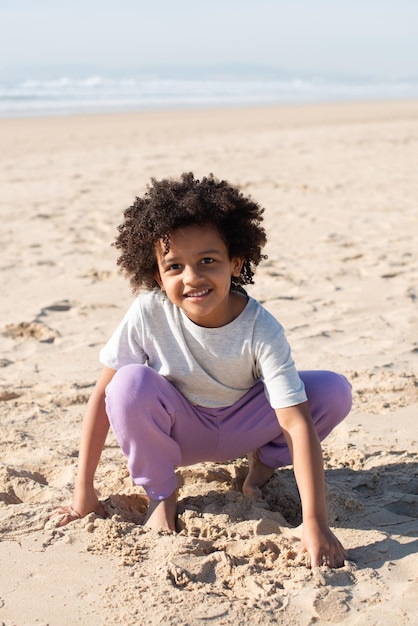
{"x": 169, "y": 204}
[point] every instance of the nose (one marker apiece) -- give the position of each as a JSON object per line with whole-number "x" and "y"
{"x": 192, "y": 275}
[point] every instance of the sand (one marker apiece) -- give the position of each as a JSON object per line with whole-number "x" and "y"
{"x": 340, "y": 188}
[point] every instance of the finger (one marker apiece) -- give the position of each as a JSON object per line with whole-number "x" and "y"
{"x": 331, "y": 561}
{"x": 67, "y": 519}
{"x": 316, "y": 559}
{"x": 340, "y": 555}
{"x": 59, "y": 512}
{"x": 69, "y": 515}
{"x": 335, "y": 560}
{"x": 341, "y": 550}
{"x": 341, "y": 558}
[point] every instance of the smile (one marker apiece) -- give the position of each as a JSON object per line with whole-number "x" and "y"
{"x": 197, "y": 294}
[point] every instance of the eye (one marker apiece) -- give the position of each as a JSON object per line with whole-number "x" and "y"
{"x": 174, "y": 267}
{"x": 207, "y": 260}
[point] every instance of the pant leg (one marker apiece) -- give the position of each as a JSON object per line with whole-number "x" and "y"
{"x": 159, "y": 430}
{"x": 156, "y": 427}
{"x": 329, "y": 399}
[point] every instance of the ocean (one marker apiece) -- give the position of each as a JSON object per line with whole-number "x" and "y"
{"x": 66, "y": 93}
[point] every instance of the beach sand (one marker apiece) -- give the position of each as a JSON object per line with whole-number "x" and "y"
{"x": 340, "y": 188}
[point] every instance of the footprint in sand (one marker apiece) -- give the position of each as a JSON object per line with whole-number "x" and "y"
{"x": 38, "y": 329}
{"x": 404, "y": 507}
{"x": 6, "y": 395}
{"x": 17, "y": 486}
{"x": 332, "y": 606}
{"x": 98, "y": 276}
{"x": 30, "y": 330}
{"x": 59, "y": 307}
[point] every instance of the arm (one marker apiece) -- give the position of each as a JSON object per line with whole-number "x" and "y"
{"x": 93, "y": 436}
{"x": 317, "y": 538}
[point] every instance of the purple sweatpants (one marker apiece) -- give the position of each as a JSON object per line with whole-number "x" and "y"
{"x": 159, "y": 430}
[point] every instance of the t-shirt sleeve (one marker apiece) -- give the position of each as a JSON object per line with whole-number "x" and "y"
{"x": 276, "y": 367}
{"x": 125, "y": 346}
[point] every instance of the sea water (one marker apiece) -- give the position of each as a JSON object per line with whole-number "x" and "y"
{"x": 64, "y": 93}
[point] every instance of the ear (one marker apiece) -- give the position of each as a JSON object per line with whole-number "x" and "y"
{"x": 157, "y": 278}
{"x": 236, "y": 265}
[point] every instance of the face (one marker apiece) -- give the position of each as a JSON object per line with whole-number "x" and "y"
{"x": 196, "y": 275}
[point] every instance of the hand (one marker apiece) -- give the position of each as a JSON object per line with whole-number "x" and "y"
{"x": 84, "y": 502}
{"x": 321, "y": 544}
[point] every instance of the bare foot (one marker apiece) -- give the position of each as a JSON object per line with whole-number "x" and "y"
{"x": 258, "y": 475}
{"x": 161, "y": 514}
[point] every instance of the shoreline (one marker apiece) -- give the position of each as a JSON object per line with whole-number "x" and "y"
{"x": 341, "y": 108}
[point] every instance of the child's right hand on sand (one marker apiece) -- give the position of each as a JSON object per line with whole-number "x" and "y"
{"x": 82, "y": 505}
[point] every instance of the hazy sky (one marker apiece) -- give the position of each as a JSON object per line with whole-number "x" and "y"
{"x": 377, "y": 37}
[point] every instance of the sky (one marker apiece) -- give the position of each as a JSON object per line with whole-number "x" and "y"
{"x": 352, "y": 37}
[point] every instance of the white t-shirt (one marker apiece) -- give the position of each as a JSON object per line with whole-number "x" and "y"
{"x": 211, "y": 367}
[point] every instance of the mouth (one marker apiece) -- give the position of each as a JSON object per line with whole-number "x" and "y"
{"x": 197, "y": 294}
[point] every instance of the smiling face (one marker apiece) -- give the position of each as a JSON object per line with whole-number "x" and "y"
{"x": 196, "y": 274}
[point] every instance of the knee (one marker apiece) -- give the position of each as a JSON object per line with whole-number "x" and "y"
{"x": 328, "y": 392}
{"x": 340, "y": 394}
{"x": 130, "y": 383}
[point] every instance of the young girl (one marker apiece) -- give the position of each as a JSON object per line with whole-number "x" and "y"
{"x": 198, "y": 370}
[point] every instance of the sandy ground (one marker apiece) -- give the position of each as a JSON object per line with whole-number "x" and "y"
{"x": 340, "y": 188}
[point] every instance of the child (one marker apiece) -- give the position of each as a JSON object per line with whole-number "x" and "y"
{"x": 198, "y": 370}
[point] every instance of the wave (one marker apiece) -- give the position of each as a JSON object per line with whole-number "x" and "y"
{"x": 95, "y": 93}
